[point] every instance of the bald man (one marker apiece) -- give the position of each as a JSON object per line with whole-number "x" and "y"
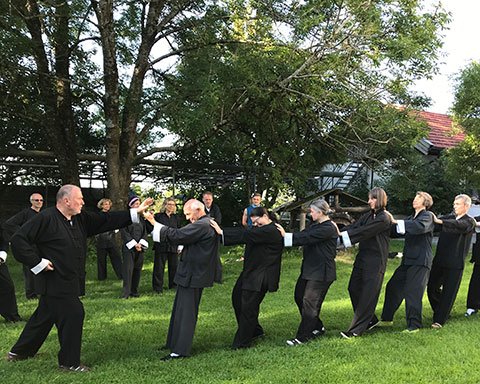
{"x": 195, "y": 271}
{"x": 53, "y": 245}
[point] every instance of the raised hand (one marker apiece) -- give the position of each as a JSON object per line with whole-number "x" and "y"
{"x": 145, "y": 204}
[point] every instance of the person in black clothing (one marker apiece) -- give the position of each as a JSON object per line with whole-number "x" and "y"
{"x": 447, "y": 268}
{"x": 473, "y": 296}
{"x": 106, "y": 245}
{"x": 410, "y": 279}
{"x": 164, "y": 251}
{"x": 54, "y": 246}
{"x": 318, "y": 271}
{"x": 12, "y": 225}
{"x": 372, "y": 232}
{"x": 213, "y": 210}
{"x": 195, "y": 271}
{"x": 8, "y": 301}
{"x": 260, "y": 274}
{"x": 134, "y": 239}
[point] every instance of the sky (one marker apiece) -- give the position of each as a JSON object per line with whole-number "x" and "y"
{"x": 460, "y": 48}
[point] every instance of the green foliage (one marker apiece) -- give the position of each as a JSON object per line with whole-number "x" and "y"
{"x": 284, "y": 104}
{"x": 414, "y": 172}
{"x": 463, "y": 164}
{"x": 277, "y": 88}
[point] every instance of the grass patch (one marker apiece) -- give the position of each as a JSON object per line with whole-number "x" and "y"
{"x": 121, "y": 337}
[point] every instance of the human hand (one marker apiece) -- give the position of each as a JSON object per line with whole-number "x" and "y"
{"x": 149, "y": 217}
{"x": 280, "y": 229}
{"x": 215, "y": 226}
{"x": 49, "y": 267}
{"x": 145, "y": 204}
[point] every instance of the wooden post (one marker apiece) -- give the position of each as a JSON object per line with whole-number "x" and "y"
{"x": 303, "y": 219}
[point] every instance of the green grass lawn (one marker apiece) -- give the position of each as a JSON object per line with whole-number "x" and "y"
{"x": 121, "y": 338}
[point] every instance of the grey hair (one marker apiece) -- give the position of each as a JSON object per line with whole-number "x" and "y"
{"x": 194, "y": 204}
{"x": 320, "y": 205}
{"x": 465, "y": 198}
{"x": 65, "y": 191}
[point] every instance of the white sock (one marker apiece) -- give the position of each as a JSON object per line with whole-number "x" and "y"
{"x": 470, "y": 311}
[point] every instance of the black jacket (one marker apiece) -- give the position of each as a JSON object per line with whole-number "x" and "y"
{"x": 172, "y": 221}
{"x": 319, "y": 242}
{"x": 15, "y": 222}
{"x": 215, "y": 213}
{"x": 49, "y": 235}
{"x": 372, "y": 232}
{"x": 417, "y": 249}
{"x": 454, "y": 241}
{"x": 196, "y": 267}
{"x": 263, "y": 255}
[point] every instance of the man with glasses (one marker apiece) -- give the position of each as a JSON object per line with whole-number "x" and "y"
{"x": 13, "y": 224}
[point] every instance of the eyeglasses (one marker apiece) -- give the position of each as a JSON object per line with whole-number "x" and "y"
{"x": 254, "y": 221}
{"x": 37, "y": 200}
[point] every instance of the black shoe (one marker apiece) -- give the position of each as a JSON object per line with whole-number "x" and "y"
{"x": 318, "y": 332}
{"x": 348, "y": 334}
{"x": 294, "y": 342}
{"x": 172, "y": 357}
{"x": 12, "y": 357}
{"x": 134, "y": 295}
{"x": 373, "y": 324}
{"x": 73, "y": 368}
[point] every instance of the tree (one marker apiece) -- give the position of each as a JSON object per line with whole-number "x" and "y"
{"x": 463, "y": 165}
{"x": 285, "y": 106}
{"x": 250, "y": 77}
{"x": 415, "y": 172}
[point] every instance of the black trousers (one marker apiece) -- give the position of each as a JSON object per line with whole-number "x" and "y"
{"x": 473, "y": 297}
{"x": 364, "y": 289}
{"x": 309, "y": 297}
{"x": 407, "y": 282}
{"x": 29, "y": 285}
{"x": 67, "y": 314}
{"x": 183, "y": 320}
{"x": 132, "y": 268}
{"x": 115, "y": 259}
{"x": 159, "y": 260}
{"x": 246, "y": 305}
{"x": 442, "y": 291}
{"x": 8, "y": 301}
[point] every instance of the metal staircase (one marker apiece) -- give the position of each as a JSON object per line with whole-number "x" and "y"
{"x": 339, "y": 175}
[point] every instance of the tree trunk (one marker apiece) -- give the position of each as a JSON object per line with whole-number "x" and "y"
{"x": 54, "y": 88}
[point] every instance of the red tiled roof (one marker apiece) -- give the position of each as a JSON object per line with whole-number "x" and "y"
{"x": 442, "y": 133}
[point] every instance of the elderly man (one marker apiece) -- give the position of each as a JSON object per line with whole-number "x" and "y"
{"x": 12, "y": 225}
{"x": 54, "y": 246}
{"x": 447, "y": 269}
{"x": 211, "y": 209}
{"x": 195, "y": 271}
